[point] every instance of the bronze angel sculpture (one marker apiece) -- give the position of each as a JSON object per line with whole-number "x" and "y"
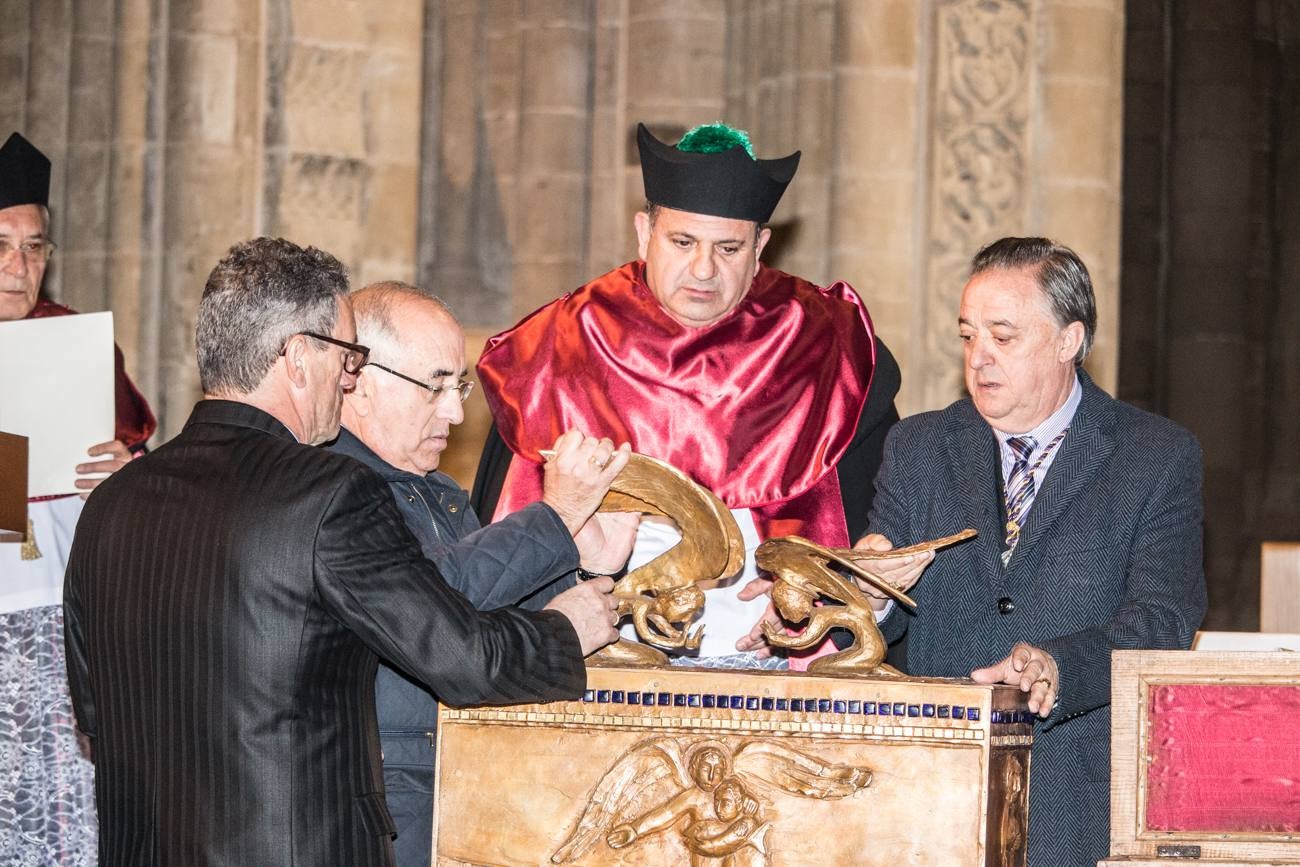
{"x": 802, "y": 573}
{"x": 663, "y": 596}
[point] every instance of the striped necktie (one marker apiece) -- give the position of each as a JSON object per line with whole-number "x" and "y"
{"x": 1020, "y": 485}
{"x": 1019, "y": 491}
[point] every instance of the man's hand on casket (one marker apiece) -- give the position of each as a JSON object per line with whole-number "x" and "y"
{"x": 605, "y": 541}
{"x": 1030, "y": 668}
{"x": 578, "y": 475}
{"x": 118, "y": 456}
{"x": 593, "y": 611}
{"x": 902, "y": 572}
{"x": 755, "y": 640}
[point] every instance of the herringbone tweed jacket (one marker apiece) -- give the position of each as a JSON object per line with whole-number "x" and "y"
{"x": 1110, "y": 557}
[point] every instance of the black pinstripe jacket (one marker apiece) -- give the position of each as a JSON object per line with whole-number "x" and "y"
{"x": 1109, "y": 557}
{"x": 226, "y": 597}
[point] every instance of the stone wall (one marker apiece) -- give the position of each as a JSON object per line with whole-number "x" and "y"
{"x": 487, "y": 148}
{"x": 927, "y": 130}
{"x": 179, "y": 128}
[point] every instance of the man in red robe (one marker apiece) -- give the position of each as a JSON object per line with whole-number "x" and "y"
{"x": 769, "y": 390}
{"x": 47, "y": 809}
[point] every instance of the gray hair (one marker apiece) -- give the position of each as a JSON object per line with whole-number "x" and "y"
{"x": 262, "y": 293}
{"x": 373, "y": 306}
{"x": 1060, "y": 273}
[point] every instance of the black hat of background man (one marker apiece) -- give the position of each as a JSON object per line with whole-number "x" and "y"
{"x": 24, "y": 174}
{"x": 728, "y": 184}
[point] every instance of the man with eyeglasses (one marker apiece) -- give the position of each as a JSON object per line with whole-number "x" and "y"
{"x": 46, "y": 779}
{"x": 229, "y": 595}
{"x": 396, "y": 420}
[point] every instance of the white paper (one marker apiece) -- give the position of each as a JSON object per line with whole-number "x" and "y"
{"x": 1262, "y": 641}
{"x": 56, "y": 389}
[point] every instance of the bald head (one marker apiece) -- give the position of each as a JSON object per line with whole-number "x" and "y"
{"x": 379, "y": 306}
{"x": 414, "y": 342}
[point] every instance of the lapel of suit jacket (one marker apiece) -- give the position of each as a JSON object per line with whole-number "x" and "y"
{"x": 1083, "y": 452}
{"x": 973, "y": 458}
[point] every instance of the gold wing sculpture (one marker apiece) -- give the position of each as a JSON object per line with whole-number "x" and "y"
{"x": 663, "y": 596}
{"x": 802, "y": 575}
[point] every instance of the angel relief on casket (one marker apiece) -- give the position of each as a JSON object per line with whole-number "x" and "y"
{"x": 704, "y": 791}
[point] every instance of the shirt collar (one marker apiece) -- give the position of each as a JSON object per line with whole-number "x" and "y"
{"x": 1051, "y": 426}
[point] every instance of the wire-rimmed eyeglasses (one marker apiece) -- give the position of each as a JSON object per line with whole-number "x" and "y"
{"x": 462, "y": 388}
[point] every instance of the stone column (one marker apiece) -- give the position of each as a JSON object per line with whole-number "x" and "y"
{"x": 134, "y": 219}
{"x": 15, "y": 42}
{"x": 87, "y": 160}
{"x": 394, "y": 87}
{"x": 497, "y": 117}
{"x": 1026, "y": 140}
{"x": 676, "y": 79}
{"x": 211, "y": 132}
{"x": 780, "y": 88}
{"x": 879, "y": 138}
{"x": 450, "y": 195}
{"x": 342, "y": 131}
{"x": 610, "y": 203}
{"x": 554, "y": 135}
{"x": 1144, "y": 277}
{"x": 1077, "y": 146}
{"x": 1280, "y": 515}
{"x": 1209, "y": 312}
{"x": 45, "y": 122}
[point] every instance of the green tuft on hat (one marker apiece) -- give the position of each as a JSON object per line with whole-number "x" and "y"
{"x": 715, "y": 138}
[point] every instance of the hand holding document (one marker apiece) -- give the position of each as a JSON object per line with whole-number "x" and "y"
{"x": 57, "y": 392}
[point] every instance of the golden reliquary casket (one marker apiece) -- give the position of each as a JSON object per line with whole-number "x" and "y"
{"x": 848, "y": 763}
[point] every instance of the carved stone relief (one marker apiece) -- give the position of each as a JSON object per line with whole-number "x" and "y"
{"x": 980, "y": 147}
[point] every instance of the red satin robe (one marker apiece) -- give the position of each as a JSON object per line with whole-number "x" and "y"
{"x": 758, "y": 407}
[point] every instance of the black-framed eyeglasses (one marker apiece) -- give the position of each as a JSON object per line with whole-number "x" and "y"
{"x": 353, "y": 359}
{"x": 462, "y": 388}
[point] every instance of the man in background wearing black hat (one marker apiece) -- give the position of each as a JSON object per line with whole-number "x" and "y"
{"x": 769, "y": 390}
{"x": 47, "y": 806}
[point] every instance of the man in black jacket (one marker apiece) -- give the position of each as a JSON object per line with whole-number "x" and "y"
{"x": 396, "y": 421}
{"x": 228, "y": 596}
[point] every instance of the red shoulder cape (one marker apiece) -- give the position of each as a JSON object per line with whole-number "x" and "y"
{"x": 758, "y": 407}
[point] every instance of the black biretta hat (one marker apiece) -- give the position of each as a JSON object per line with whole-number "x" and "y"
{"x": 726, "y": 183}
{"x": 24, "y": 174}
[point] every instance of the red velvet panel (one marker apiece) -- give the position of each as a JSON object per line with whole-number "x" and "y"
{"x": 1224, "y": 758}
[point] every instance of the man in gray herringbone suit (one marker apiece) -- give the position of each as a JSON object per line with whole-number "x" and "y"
{"x": 1089, "y": 520}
